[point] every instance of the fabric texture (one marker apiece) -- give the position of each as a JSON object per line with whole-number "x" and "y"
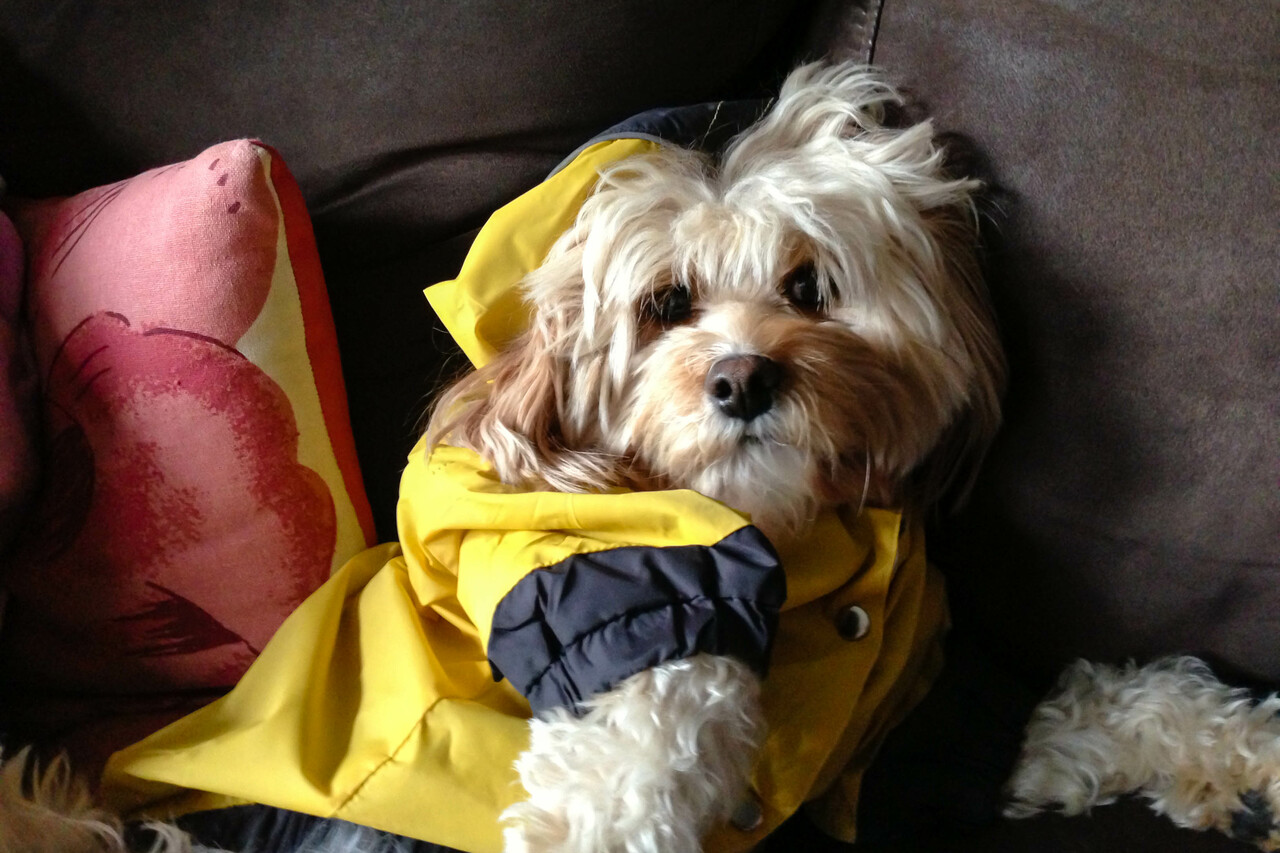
{"x": 1130, "y": 507}
{"x": 404, "y": 125}
{"x": 376, "y": 694}
{"x": 19, "y": 412}
{"x": 262, "y": 828}
{"x": 201, "y": 479}
{"x": 575, "y": 629}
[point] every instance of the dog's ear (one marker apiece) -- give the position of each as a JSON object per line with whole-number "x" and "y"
{"x": 514, "y": 411}
{"x": 948, "y": 473}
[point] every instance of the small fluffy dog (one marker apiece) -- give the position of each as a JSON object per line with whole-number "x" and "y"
{"x": 796, "y": 326}
{"x": 793, "y": 326}
{"x": 1204, "y": 754}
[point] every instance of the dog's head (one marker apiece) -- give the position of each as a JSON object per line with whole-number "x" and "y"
{"x": 796, "y": 326}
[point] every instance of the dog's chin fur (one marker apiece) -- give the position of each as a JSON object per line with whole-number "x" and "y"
{"x": 890, "y": 377}
{"x": 768, "y": 481}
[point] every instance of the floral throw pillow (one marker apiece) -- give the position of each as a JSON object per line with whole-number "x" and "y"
{"x": 199, "y": 477}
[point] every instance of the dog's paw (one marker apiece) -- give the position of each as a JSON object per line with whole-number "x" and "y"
{"x": 649, "y": 767}
{"x": 1205, "y": 755}
{"x": 1257, "y": 820}
{"x": 1251, "y": 816}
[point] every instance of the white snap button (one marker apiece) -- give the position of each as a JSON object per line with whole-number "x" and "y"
{"x": 853, "y": 623}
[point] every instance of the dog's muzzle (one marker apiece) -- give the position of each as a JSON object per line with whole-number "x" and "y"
{"x": 743, "y": 386}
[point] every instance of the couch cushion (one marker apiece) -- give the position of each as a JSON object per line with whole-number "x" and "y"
{"x": 19, "y": 413}
{"x": 404, "y": 124}
{"x": 1131, "y": 506}
{"x": 200, "y": 477}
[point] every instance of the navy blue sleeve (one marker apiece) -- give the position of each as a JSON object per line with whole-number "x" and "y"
{"x": 570, "y": 631}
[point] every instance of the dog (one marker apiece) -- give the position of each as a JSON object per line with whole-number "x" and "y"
{"x": 798, "y": 326}
{"x": 1204, "y": 754}
{"x": 793, "y": 327}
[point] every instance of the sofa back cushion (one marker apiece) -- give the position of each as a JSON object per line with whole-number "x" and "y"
{"x": 406, "y": 125}
{"x": 1132, "y": 505}
{"x": 403, "y": 123}
{"x": 19, "y": 463}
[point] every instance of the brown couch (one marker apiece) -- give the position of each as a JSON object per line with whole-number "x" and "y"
{"x": 1131, "y": 505}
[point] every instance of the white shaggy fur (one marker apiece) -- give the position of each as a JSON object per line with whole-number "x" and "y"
{"x": 49, "y": 810}
{"x": 650, "y": 765}
{"x": 1204, "y": 754}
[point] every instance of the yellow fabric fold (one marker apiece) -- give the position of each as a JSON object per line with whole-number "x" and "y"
{"x": 375, "y": 702}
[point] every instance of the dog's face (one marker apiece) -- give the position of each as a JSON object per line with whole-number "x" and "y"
{"x": 796, "y": 327}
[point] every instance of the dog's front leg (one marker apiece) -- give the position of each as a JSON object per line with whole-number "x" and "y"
{"x": 650, "y": 766}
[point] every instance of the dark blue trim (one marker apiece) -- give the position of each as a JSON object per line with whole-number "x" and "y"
{"x": 705, "y": 127}
{"x": 573, "y": 630}
{"x": 265, "y": 829}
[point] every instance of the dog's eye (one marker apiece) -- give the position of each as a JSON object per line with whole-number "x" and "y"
{"x": 802, "y": 290}
{"x": 673, "y": 305}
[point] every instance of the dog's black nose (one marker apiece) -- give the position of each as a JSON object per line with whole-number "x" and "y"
{"x": 743, "y": 386}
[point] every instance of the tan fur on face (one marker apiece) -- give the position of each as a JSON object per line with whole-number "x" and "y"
{"x": 842, "y": 407}
{"x": 891, "y": 392}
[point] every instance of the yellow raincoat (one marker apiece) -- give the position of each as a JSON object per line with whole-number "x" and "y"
{"x": 376, "y": 703}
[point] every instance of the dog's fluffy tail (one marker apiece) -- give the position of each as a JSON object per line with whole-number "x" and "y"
{"x": 50, "y": 810}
